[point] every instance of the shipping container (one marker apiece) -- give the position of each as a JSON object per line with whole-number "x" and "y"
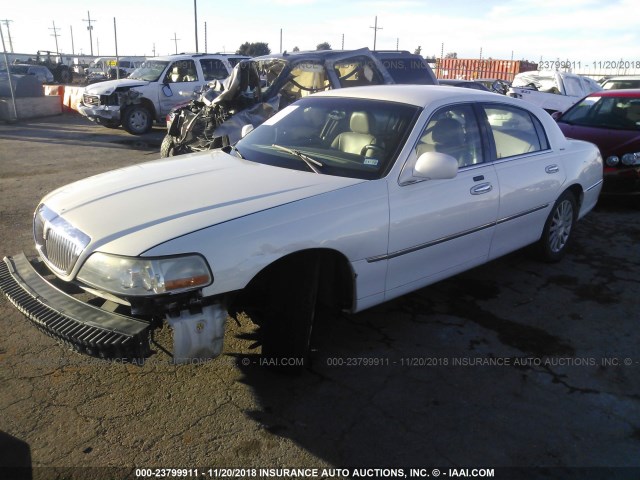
{"x": 472, "y": 69}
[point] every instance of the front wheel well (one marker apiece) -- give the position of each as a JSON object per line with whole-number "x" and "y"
{"x": 148, "y": 104}
{"x": 336, "y": 288}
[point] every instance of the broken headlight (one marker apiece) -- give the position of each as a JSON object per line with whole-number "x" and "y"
{"x": 135, "y": 276}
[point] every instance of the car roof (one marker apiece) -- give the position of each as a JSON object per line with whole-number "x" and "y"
{"x": 418, "y": 95}
{"x": 196, "y": 55}
{"x": 623, "y": 77}
{"x": 631, "y": 92}
{"x": 320, "y": 55}
{"x": 395, "y": 53}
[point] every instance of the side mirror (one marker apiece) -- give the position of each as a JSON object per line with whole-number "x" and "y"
{"x": 556, "y": 115}
{"x": 245, "y": 130}
{"x": 435, "y": 166}
{"x": 166, "y": 89}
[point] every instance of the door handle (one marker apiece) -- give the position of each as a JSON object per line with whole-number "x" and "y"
{"x": 482, "y": 188}
{"x": 552, "y": 169}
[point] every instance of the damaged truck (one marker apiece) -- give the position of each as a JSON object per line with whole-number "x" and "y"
{"x": 152, "y": 90}
{"x": 260, "y": 87}
{"x": 552, "y": 90}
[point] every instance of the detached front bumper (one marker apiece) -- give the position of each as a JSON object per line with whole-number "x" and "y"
{"x": 86, "y": 328}
{"x": 106, "y": 112}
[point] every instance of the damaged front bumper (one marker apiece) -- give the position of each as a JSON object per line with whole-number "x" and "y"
{"x": 102, "y": 333}
{"x": 85, "y": 327}
{"x": 104, "y": 112}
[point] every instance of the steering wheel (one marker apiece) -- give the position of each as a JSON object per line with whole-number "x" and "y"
{"x": 374, "y": 148}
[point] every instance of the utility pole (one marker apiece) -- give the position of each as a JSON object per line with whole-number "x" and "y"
{"x": 206, "y": 50}
{"x": 73, "y": 50}
{"x": 281, "y": 40}
{"x": 195, "y": 14}
{"x": 90, "y": 28}
{"x": 176, "y": 41}
{"x": 6, "y": 22}
{"x": 154, "y": 49}
{"x": 115, "y": 38}
{"x": 375, "y": 32}
{"x": 56, "y": 35}
{"x": 342, "y": 45}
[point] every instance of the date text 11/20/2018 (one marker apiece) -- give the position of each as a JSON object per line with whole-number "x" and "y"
{"x": 600, "y": 64}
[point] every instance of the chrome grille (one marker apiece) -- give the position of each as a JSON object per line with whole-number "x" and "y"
{"x": 91, "y": 100}
{"x": 57, "y": 241}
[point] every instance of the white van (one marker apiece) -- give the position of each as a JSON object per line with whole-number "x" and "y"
{"x": 104, "y": 64}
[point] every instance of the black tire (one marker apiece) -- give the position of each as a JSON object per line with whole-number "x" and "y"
{"x": 168, "y": 148}
{"x": 558, "y": 229}
{"x": 137, "y": 120}
{"x": 286, "y": 329}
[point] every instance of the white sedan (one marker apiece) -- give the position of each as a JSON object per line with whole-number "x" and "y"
{"x": 347, "y": 198}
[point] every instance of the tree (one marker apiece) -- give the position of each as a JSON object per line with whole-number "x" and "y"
{"x": 254, "y": 49}
{"x": 296, "y": 49}
{"x": 417, "y": 50}
{"x": 451, "y": 55}
{"x": 323, "y": 46}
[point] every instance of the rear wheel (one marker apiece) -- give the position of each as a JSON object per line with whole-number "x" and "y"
{"x": 558, "y": 230}
{"x": 137, "y": 120}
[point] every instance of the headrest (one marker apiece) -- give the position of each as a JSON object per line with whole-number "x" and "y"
{"x": 361, "y": 122}
{"x": 447, "y": 131}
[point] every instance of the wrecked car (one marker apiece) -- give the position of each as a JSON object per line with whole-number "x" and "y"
{"x": 152, "y": 90}
{"x": 260, "y": 87}
{"x": 552, "y": 90}
{"x": 343, "y": 200}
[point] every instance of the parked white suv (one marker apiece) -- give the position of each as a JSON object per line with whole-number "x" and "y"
{"x": 152, "y": 90}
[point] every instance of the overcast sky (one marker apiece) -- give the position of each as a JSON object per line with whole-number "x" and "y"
{"x": 583, "y": 31}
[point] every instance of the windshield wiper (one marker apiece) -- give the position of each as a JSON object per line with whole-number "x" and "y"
{"x": 311, "y": 162}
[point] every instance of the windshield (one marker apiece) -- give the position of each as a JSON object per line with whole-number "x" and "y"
{"x": 19, "y": 69}
{"x": 622, "y": 113}
{"x": 151, "y": 70}
{"x": 621, "y": 84}
{"x": 346, "y": 137}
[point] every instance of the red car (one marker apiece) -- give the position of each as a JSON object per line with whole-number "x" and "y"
{"x": 611, "y": 120}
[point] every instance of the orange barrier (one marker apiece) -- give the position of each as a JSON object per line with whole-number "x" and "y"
{"x": 72, "y": 97}
{"x": 69, "y": 95}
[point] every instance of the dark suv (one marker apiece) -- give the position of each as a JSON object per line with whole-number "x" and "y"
{"x": 406, "y": 67}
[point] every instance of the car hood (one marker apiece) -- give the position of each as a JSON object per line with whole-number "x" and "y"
{"x": 131, "y": 210}
{"x": 610, "y": 141}
{"x": 110, "y": 86}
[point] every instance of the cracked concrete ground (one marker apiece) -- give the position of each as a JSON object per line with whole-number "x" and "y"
{"x": 513, "y": 364}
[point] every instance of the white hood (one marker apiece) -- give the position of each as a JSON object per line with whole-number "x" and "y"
{"x": 110, "y": 86}
{"x": 141, "y": 206}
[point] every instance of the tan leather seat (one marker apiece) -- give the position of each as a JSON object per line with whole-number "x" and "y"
{"x": 361, "y": 125}
{"x": 448, "y": 137}
{"x": 175, "y": 76}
